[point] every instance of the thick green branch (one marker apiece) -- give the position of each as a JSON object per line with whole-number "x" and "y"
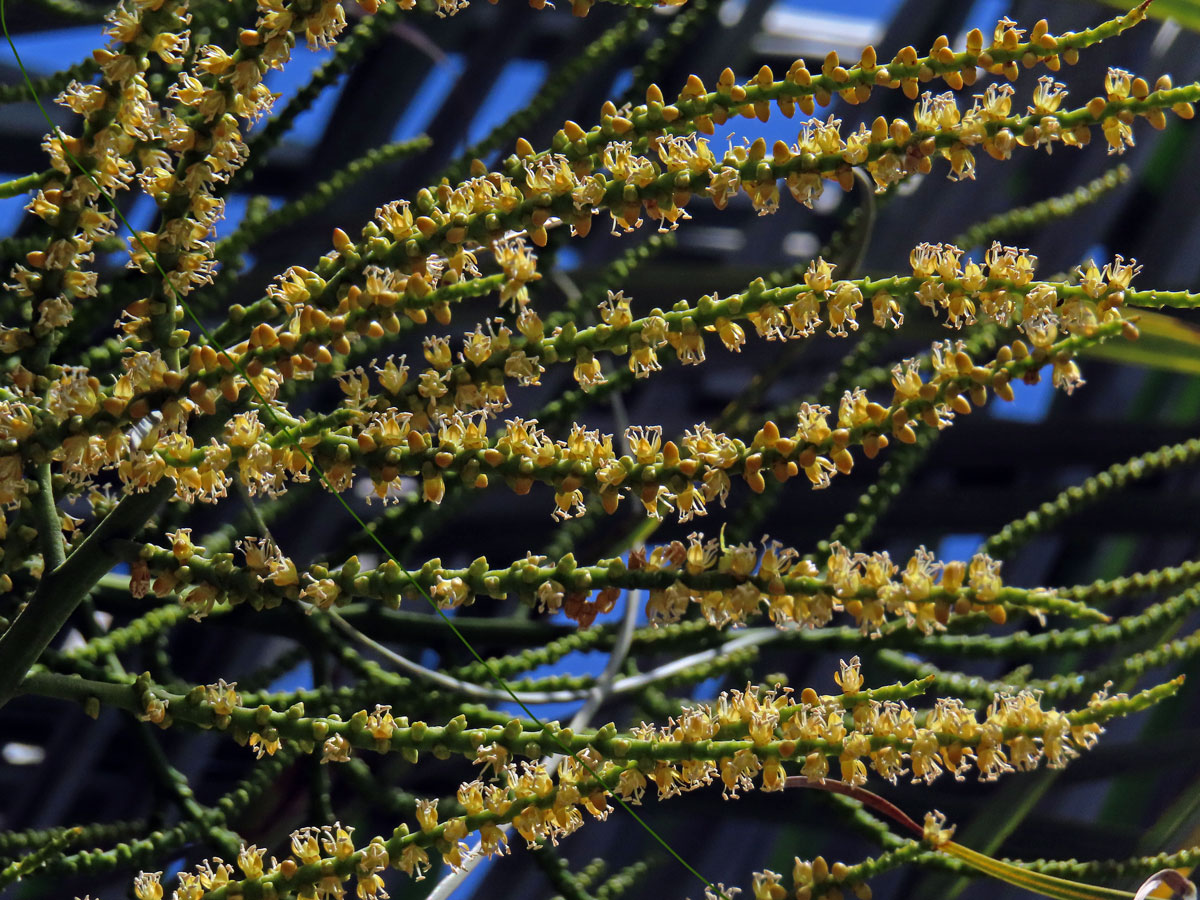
{"x": 62, "y": 589}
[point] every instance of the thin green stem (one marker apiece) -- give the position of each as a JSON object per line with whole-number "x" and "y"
{"x": 23, "y": 185}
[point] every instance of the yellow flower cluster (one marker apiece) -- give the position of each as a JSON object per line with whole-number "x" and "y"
{"x": 308, "y": 845}
{"x": 651, "y": 162}
{"x": 657, "y": 180}
{"x": 730, "y": 585}
{"x": 202, "y": 146}
{"x": 1002, "y": 289}
{"x": 386, "y": 443}
{"x": 478, "y": 213}
{"x": 119, "y": 118}
{"x": 698, "y": 108}
{"x": 855, "y": 730}
{"x": 223, "y": 87}
{"x": 209, "y": 875}
{"x": 865, "y": 586}
{"x": 745, "y": 740}
{"x": 888, "y": 736}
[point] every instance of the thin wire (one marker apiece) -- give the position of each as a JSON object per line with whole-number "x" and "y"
{"x": 605, "y": 683}
{"x": 629, "y": 684}
{"x": 287, "y": 431}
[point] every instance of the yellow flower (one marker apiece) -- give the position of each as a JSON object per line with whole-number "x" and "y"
{"x": 427, "y": 816}
{"x": 264, "y": 746}
{"x": 849, "y": 678}
{"x": 250, "y": 860}
{"x": 148, "y": 886}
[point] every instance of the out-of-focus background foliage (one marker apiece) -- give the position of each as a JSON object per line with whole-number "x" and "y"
{"x": 457, "y": 79}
